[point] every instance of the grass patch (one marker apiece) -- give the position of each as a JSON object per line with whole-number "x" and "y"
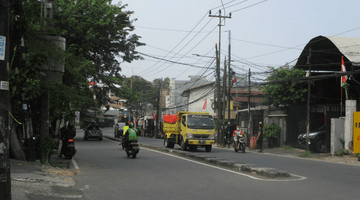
{"x": 305, "y": 154}
{"x": 342, "y": 153}
{"x": 57, "y": 165}
{"x": 286, "y": 147}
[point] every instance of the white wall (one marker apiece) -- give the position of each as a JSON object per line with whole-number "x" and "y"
{"x": 198, "y": 105}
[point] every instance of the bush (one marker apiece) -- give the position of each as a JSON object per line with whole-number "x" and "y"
{"x": 286, "y": 147}
{"x": 305, "y": 154}
{"x": 343, "y": 153}
{"x": 271, "y": 131}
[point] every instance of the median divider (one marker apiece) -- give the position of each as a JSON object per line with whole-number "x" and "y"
{"x": 236, "y": 166}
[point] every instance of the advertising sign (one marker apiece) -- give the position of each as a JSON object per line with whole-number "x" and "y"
{"x": 2, "y": 47}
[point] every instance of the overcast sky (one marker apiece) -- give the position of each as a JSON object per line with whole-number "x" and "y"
{"x": 263, "y": 33}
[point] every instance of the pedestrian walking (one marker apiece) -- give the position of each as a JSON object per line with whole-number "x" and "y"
{"x": 260, "y": 137}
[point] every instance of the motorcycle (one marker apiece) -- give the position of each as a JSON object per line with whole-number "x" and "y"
{"x": 69, "y": 150}
{"x": 240, "y": 144}
{"x": 132, "y": 149}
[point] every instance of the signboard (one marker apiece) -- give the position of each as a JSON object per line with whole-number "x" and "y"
{"x": 356, "y": 129}
{"x": 2, "y": 47}
{"x": 4, "y": 85}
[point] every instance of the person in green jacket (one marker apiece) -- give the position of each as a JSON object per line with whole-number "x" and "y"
{"x": 129, "y": 136}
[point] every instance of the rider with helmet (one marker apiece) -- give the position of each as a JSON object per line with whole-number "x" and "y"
{"x": 129, "y": 136}
{"x": 237, "y": 133}
{"x": 67, "y": 133}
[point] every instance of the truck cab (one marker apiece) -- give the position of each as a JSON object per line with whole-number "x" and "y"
{"x": 191, "y": 130}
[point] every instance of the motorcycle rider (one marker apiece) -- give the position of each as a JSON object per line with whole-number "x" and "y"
{"x": 129, "y": 136}
{"x": 125, "y": 128}
{"x": 237, "y": 133}
{"x": 67, "y": 133}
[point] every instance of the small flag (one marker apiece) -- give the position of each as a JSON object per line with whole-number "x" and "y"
{"x": 204, "y": 106}
{"x": 343, "y": 70}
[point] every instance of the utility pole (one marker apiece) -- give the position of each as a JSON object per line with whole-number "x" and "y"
{"x": 230, "y": 78}
{"x": 158, "y": 112}
{"x": 224, "y": 104}
{"x": 308, "y": 103}
{"x": 5, "y": 181}
{"x": 218, "y": 93}
{"x": 218, "y": 55}
{"x": 249, "y": 124}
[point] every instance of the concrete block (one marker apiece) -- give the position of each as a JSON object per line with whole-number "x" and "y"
{"x": 211, "y": 160}
{"x": 225, "y": 163}
{"x": 202, "y": 157}
{"x": 247, "y": 167}
{"x": 269, "y": 172}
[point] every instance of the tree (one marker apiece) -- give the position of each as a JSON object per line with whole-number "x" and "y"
{"x": 142, "y": 91}
{"x": 97, "y": 35}
{"x": 287, "y": 92}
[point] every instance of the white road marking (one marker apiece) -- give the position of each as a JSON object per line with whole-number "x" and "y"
{"x": 75, "y": 164}
{"x": 86, "y": 188}
{"x": 219, "y": 168}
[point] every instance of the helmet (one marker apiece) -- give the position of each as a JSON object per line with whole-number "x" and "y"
{"x": 71, "y": 125}
{"x": 131, "y": 125}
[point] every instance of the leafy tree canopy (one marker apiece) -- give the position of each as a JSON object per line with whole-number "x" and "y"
{"x": 98, "y": 38}
{"x": 286, "y": 92}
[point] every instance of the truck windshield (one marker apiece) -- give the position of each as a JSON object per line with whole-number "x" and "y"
{"x": 200, "y": 122}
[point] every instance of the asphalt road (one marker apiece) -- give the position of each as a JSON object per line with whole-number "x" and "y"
{"x": 105, "y": 172}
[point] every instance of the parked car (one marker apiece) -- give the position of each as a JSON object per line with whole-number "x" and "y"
{"x": 93, "y": 131}
{"x": 119, "y": 129}
{"x": 316, "y": 139}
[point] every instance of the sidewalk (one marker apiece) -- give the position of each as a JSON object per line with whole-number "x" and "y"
{"x": 34, "y": 180}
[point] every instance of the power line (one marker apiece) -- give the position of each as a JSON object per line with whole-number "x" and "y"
{"x": 249, "y": 6}
{"x": 180, "y": 41}
{"x": 170, "y": 61}
{"x": 189, "y": 50}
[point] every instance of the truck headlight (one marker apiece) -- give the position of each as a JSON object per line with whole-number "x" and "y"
{"x": 189, "y": 136}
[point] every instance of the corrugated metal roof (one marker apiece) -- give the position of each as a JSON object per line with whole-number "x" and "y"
{"x": 326, "y": 53}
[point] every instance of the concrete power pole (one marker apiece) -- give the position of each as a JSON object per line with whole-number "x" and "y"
{"x": 220, "y": 137}
{"x": 230, "y": 78}
{"x": 157, "y": 128}
{"x": 224, "y": 104}
{"x": 218, "y": 94}
{"x": 249, "y": 124}
{"x": 5, "y": 182}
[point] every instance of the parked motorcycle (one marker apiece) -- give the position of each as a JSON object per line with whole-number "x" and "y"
{"x": 132, "y": 149}
{"x": 240, "y": 144}
{"x": 70, "y": 150}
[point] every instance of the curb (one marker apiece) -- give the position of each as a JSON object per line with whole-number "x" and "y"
{"x": 241, "y": 167}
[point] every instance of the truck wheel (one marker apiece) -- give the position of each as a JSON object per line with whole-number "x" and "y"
{"x": 183, "y": 145}
{"x": 208, "y": 148}
{"x": 166, "y": 142}
{"x": 171, "y": 144}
